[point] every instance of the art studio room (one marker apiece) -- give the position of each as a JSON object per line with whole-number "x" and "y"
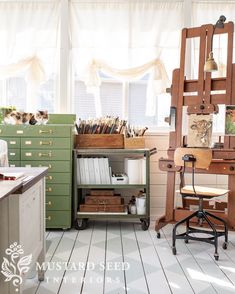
{"x": 117, "y": 146}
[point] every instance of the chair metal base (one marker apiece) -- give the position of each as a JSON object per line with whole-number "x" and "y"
{"x": 202, "y": 216}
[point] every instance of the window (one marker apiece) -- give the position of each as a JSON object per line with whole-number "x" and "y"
{"x": 28, "y": 48}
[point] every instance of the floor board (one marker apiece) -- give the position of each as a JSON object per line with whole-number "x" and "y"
{"x": 121, "y": 258}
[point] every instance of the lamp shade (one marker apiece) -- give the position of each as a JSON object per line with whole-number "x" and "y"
{"x": 210, "y": 64}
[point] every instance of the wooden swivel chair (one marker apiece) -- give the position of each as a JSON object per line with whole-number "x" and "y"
{"x": 190, "y": 159}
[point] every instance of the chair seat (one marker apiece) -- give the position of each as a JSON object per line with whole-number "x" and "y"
{"x": 203, "y": 191}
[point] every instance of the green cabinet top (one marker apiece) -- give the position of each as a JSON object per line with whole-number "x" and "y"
{"x": 36, "y": 130}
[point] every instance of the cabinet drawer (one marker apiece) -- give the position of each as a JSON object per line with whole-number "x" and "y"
{"x": 35, "y": 131}
{"x": 12, "y": 131}
{"x": 13, "y": 142}
{"x": 14, "y": 154}
{"x": 53, "y": 166}
{"x": 14, "y": 163}
{"x": 58, "y": 219}
{"x": 45, "y": 154}
{"x": 58, "y": 203}
{"x": 45, "y": 143}
{"x": 49, "y": 131}
{"x": 58, "y": 189}
{"x": 58, "y": 178}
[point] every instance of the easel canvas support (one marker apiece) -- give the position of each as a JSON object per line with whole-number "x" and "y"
{"x": 204, "y": 101}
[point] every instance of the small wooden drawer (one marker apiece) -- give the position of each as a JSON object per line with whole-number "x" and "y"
{"x": 45, "y": 143}
{"x": 53, "y": 166}
{"x": 13, "y": 142}
{"x": 14, "y": 163}
{"x": 49, "y": 131}
{"x": 35, "y": 131}
{"x": 45, "y": 154}
{"x": 58, "y": 219}
{"x": 58, "y": 203}
{"x": 58, "y": 189}
{"x": 58, "y": 178}
{"x": 101, "y": 208}
{"x": 104, "y": 200}
{"x": 14, "y": 154}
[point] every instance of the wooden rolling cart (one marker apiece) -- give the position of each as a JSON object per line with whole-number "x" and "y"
{"x": 204, "y": 101}
{"x": 81, "y": 190}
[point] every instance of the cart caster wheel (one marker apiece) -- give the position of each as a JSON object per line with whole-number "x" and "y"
{"x": 186, "y": 241}
{"x": 158, "y": 235}
{"x": 174, "y": 250}
{"x": 216, "y": 257}
{"x": 81, "y": 224}
{"x": 144, "y": 224}
{"x": 225, "y": 245}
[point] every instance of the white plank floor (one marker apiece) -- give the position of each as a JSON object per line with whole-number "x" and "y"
{"x": 136, "y": 262}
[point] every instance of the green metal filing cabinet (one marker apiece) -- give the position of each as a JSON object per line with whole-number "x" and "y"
{"x": 51, "y": 146}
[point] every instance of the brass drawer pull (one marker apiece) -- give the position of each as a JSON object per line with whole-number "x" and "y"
{"x": 49, "y": 189}
{"x": 48, "y": 218}
{"x": 45, "y": 154}
{"x": 12, "y": 142}
{"x": 19, "y": 132}
{"x": 49, "y": 165}
{"x": 45, "y": 132}
{"x": 48, "y": 203}
{"x": 45, "y": 143}
{"x": 49, "y": 178}
{"x": 12, "y": 153}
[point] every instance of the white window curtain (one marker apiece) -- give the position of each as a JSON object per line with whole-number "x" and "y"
{"x": 126, "y": 39}
{"x": 28, "y": 34}
{"x": 204, "y": 12}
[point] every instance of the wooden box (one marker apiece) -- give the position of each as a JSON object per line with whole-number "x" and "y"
{"x": 100, "y": 141}
{"x": 102, "y": 208}
{"x": 104, "y": 200}
{"x": 134, "y": 143}
{"x": 102, "y": 192}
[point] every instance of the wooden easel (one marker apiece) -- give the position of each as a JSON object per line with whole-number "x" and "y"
{"x": 204, "y": 102}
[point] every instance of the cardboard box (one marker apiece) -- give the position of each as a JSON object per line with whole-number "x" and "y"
{"x": 134, "y": 143}
{"x": 111, "y": 141}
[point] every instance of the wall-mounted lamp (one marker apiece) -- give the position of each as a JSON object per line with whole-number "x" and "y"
{"x": 210, "y": 64}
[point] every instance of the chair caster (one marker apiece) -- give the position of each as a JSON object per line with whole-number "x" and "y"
{"x": 174, "y": 250}
{"x": 186, "y": 241}
{"x": 216, "y": 256}
{"x": 225, "y": 245}
{"x": 158, "y": 235}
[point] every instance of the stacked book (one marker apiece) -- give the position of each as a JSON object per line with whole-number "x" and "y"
{"x": 93, "y": 171}
{"x": 103, "y": 201}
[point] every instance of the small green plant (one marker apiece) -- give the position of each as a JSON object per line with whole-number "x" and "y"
{"x": 4, "y": 111}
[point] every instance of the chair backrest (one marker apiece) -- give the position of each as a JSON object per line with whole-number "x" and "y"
{"x": 203, "y": 157}
{"x": 3, "y": 154}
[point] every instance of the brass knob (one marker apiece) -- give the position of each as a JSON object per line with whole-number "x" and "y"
{"x": 45, "y": 132}
{"x": 44, "y": 154}
{"x": 49, "y": 189}
{"x": 48, "y": 218}
{"x": 48, "y": 203}
{"x": 45, "y": 143}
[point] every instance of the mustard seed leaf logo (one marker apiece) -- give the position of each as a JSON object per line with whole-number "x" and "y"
{"x": 17, "y": 266}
